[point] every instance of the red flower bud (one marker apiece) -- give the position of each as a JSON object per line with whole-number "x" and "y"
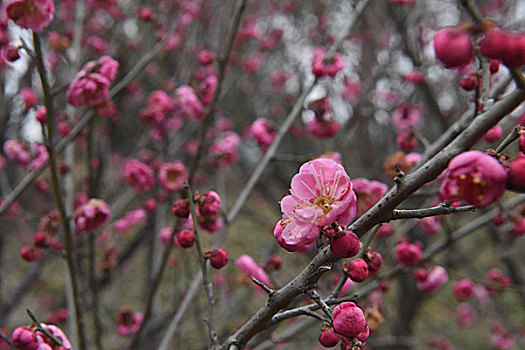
{"x": 358, "y": 270}
{"x": 344, "y": 244}
{"x": 218, "y": 258}
{"x": 328, "y": 338}
{"x": 186, "y": 238}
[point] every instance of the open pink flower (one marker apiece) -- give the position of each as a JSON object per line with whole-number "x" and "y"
{"x": 368, "y": 193}
{"x": 17, "y": 151}
{"x": 91, "y": 85}
{"x": 405, "y": 117}
{"x": 474, "y": 177}
{"x": 32, "y": 338}
{"x": 172, "y": 175}
{"x": 187, "y": 103}
{"x": 31, "y": 14}
{"x": 88, "y": 217}
{"x": 138, "y": 175}
{"x": 322, "y": 66}
{"x": 321, "y": 193}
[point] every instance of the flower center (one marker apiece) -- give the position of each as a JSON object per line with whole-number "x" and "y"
{"x": 323, "y": 203}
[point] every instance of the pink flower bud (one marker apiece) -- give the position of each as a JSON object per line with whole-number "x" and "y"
{"x": 273, "y": 263}
{"x": 453, "y": 47}
{"x": 25, "y": 339}
{"x": 31, "y": 254}
{"x": 516, "y": 173}
{"x": 218, "y": 258}
{"x": 263, "y": 132}
{"x": 357, "y": 270}
{"x": 474, "y": 177}
{"x": 349, "y": 320}
{"x": 493, "y": 134}
{"x": 322, "y": 67}
{"x": 494, "y": 66}
{"x": 344, "y": 244}
{"x": 420, "y": 275}
{"x": 17, "y": 151}
{"x": 251, "y": 268}
{"x": 408, "y": 254}
{"x": 181, "y": 208}
{"x": 374, "y": 261}
{"x": 463, "y": 289}
{"x": 150, "y": 205}
{"x": 41, "y": 115}
{"x": 328, "y": 338}
{"x": 515, "y": 54}
{"x": 495, "y": 43}
{"x": 186, "y": 238}
{"x": 11, "y": 53}
{"x": 469, "y": 82}
{"x": 436, "y": 278}
{"x": 128, "y": 322}
{"x": 519, "y": 227}
{"x": 430, "y": 225}
{"x": 209, "y": 204}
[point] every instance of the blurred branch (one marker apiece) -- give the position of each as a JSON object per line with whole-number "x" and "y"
{"x": 223, "y": 60}
{"x": 68, "y": 239}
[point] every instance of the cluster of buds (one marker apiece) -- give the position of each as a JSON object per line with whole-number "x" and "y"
{"x": 32, "y": 337}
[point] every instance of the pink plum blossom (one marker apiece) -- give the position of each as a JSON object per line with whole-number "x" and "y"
{"x": 187, "y": 104}
{"x": 91, "y": 85}
{"x": 463, "y": 289}
{"x": 321, "y": 66}
{"x": 31, "y": 338}
{"x": 17, "y": 151}
{"x": 405, "y": 117}
{"x": 474, "y": 177}
{"x": 437, "y": 276}
{"x": 129, "y": 322}
{"x": 172, "y": 175}
{"x": 131, "y": 218}
{"x": 31, "y": 14}
{"x": 207, "y": 88}
{"x": 324, "y": 127}
{"x": 138, "y": 175}
{"x": 263, "y": 132}
{"x": 321, "y": 193}
{"x": 40, "y": 156}
{"x": 224, "y": 149}
{"x": 91, "y": 215}
{"x": 29, "y": 97}
{"x": 368, "y": 193}
{"x": 251, "y": 268}
{"x": 159, "y": 106}
{"x": 209, "y": 204}
{"x": 408, "y": 254}
{"x": 352, "y": 91}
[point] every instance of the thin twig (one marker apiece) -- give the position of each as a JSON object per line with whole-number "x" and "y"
{"x": 439, "y": 209}
{"x": 43, "y": 330}
{"x": 204, "y": 269}
{"x": 312, "y": 293}
{"x": 267, "y": 289}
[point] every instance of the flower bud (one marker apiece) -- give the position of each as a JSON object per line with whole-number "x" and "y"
{"x": 186, "y": 238}
{"x": 181, "y": 208}
{"x": 357, "y": 270}
{"x": 463, "y": 289}
{"x": 273, "y": 263}
{"x": 344, "y": 244}
{"x": 31, "y": 254}
{"x": 453, "y": 47}
{"x": 408, "y": 254}
{"x": 349, "y": 320}
{"x": 374, "y": 261}
{"x": 218, "y": 258}
{"x": 328, "y": 338}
